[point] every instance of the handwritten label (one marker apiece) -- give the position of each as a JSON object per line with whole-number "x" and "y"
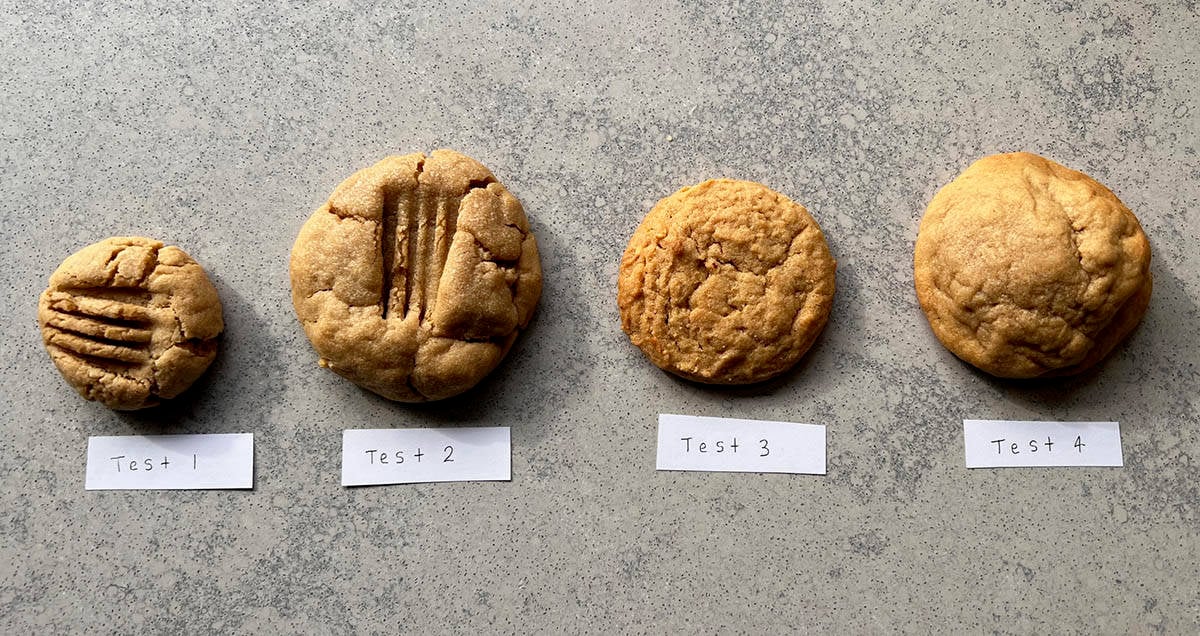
{"x": 1003, "y": 444}
{"x": 742, "y": 446}
{"x": 417, "y": 455}
{"x": 170, "y": 462}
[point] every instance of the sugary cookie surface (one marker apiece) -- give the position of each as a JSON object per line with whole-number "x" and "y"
{"x": 1027, "y": 268}
{"x": 416, "y": 276}
{"x": 726, "y": 282}
{"x": 129, "y": 322}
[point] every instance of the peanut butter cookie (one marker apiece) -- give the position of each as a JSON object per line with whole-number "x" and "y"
{"x": 726, "y": 282}
{"x": 1026, "y": 268}
{"x": 416, "y": 276}
{"x": 129, "y": 322}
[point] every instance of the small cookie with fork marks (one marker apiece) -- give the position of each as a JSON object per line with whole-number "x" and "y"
{"x": 130, "y": 322}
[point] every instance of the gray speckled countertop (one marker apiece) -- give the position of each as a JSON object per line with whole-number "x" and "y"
{"x": 221, "y": 129}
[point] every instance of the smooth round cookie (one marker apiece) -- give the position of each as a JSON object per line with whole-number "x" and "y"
{"x": 726, "y": 282}
{"x": 1026, "y": 268}
{"x": 415, "y": 278}
{"x": 129, "y": 322}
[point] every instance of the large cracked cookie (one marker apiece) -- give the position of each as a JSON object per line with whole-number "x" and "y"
{"x": 726, "y": 282}
{"x": 129, "y": 322}
{"x": 415, "y": 278}
{"x": 1026, "y": 268}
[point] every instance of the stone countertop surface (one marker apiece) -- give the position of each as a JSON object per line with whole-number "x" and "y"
{"x": 220, "y": 129}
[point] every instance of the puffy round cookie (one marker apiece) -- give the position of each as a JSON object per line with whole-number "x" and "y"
{"x": 1026, "y": 268}
{"x": 726, "y": 282}
{"x": 129, "y": 322}
{"x": 415, "y": 278}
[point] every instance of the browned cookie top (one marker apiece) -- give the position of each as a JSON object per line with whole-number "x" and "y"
{"x": 1027, "y": 268}
{"x": 726, "y": 282}
{"x": 128, "y": 321}
{"x": 416, "y": 276}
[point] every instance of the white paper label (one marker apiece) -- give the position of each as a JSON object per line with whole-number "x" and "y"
{"x": 1003, "y": 444}
{"x": 416, "y": 455}
{"x": 170, "y": 462}
{"x": 741, "y": 446}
